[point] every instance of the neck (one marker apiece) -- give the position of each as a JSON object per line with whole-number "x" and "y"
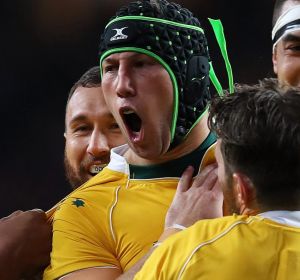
{"x": 197, "y": 135}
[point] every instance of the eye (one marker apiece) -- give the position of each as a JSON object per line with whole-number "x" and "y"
{"x": 114, "y": 126}
{"x": 144, "y": 62}
{"x": 139, "y": 63}
{"x": 81, "y": 129}
{"x": 293, "y": 47}
{"x": 107, "y": 68}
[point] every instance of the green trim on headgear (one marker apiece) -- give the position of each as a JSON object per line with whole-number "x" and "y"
{"x": 219, "y": 33}
{"x": 159, "y": 20}
{"x": 164, "y": 64}
{"x": 196, "y": 122}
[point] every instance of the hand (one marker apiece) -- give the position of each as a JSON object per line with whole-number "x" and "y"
{"x": 193, "y": 201}
{"x": 25, "y": 244}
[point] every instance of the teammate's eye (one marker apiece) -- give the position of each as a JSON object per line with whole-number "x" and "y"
{"x": 114, "y": 126}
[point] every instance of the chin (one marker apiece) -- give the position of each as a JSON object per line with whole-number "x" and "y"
{"x": 154, "y": 152}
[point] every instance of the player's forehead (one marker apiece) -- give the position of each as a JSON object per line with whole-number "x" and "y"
{"x": 126, "y": 56}
{"x": 287, "y": 5}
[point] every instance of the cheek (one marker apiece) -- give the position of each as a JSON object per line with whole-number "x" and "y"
{"x": 292, "y": 74}
{"x": 288, "y": 71}
{"x": 115, "y": 140}
{"x": 75, "y": 151}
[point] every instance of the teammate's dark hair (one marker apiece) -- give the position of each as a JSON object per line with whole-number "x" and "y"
{"x": 91, "y": 78}
{"x": 259, "y": 127}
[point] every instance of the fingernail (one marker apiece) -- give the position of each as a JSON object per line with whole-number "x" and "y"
{"x": 37, "y": 210}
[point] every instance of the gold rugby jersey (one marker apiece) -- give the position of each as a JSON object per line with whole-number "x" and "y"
{"x": 114, "y": 218}
{"x": 234, "y": 247}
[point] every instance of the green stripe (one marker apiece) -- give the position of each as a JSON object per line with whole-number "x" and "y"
{"x": 159, "y": 20}
{"x": 164, "y": 64}
{"x": 219, "y": 33}
{"x": 196, "y": 122}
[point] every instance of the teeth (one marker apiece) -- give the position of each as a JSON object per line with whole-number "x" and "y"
{"x": 95, "y": 169}
{"x": 127, "y": 112}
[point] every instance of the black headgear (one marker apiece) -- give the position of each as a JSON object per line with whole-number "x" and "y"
{"x": 174, "y": 37}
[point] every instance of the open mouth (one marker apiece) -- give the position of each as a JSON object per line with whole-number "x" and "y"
{"x": 132, "y": 120}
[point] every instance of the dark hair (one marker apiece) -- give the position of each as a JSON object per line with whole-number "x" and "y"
{"x": 277, "y": 10}
{"x": 91, "y": 78}
{"x": 259, "y": 127}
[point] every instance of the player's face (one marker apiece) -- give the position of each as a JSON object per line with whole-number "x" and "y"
{"x": 225, "y": 181}
{"x": 139, "y": 93}
{"x": 286, "y": 59}
{"x": 91, "y": 131}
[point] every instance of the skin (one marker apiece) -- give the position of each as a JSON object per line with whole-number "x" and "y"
{"x": 25, "y": 244}
{"x": 203, "y": 198}
{"x": 238, "y": 190}
{"x": 91, "y": 132}
{"x": 286, "y": 55}
{"x": 138, "y": 82}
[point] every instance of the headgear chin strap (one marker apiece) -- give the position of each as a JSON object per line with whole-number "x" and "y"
{"x": 174, "y": 37}
{"x": 288, "y": 22}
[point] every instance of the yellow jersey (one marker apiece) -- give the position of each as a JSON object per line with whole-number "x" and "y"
{"x": 229, "y": 248}
{"x": 113, "y": 219}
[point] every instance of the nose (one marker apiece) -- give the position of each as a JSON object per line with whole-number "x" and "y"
{"x": 124, "y": 82}
{"x": 98, "y": 144}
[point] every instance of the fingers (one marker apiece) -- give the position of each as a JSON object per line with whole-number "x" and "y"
{"x": 186, "y": 179}
{"x": 217, "y": 188}
{"x": 207, "y": 178}
{"x": 38, "y": 212}
{"x": 14, "y": 214}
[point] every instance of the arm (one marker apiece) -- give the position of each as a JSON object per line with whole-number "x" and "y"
{"x": 25, "y": 244}
{"x": 193, "y": 201}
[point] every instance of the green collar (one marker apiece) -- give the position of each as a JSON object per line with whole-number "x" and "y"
{"x": 175, "y": 167}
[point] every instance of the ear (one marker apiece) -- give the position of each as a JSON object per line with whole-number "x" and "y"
{"x": 244, "y": 193}
{"x": 65, "y": 135}
{"x": 274, "y": 60}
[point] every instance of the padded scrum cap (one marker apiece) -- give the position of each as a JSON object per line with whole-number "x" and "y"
{"x": 174, "y": 37}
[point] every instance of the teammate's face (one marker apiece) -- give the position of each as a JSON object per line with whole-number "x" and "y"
{"x": 139, "y": 93}
{"x": 286, "y": 59}
{"x": 286, "y": 56}
{"x": 91, "y": 132}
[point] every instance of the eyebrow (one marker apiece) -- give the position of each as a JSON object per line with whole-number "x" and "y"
{"x": 78, "y": 118}
{"x": 291, "y": 38}
{"x": 82, "y": 117}
{"x": 109, "y": 60}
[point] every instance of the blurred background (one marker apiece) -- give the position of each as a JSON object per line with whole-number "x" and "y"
{"x": 45, "y": 47}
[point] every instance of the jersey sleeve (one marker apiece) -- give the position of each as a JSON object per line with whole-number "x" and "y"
{"x": 81, "y": 239}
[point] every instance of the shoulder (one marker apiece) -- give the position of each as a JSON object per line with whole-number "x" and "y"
{"x": 171, "y": 257}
